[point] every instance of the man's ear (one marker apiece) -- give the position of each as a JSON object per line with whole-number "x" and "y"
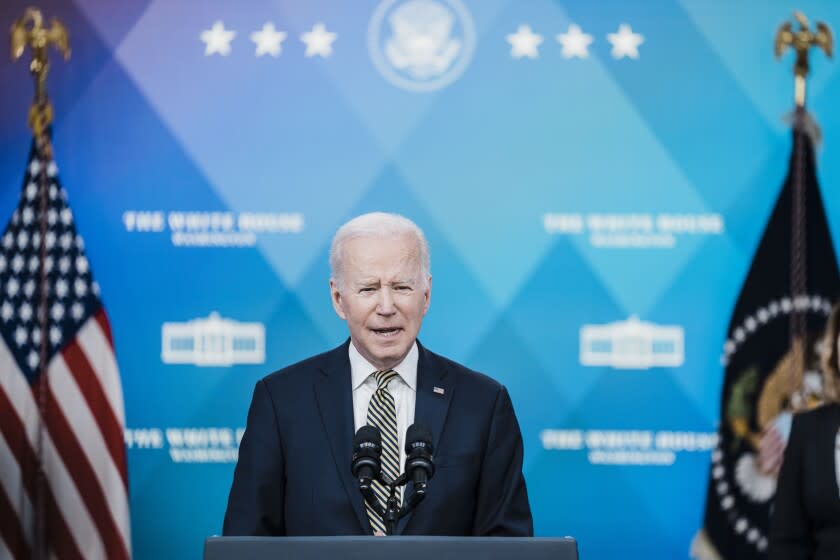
{"x": 428, "y": 295}
{"x": 335, "y": 295}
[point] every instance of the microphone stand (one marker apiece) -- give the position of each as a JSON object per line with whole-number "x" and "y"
{"x": 392, "y": 512}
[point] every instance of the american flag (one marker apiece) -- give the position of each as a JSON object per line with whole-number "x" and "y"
{"x": 71, "y": 423}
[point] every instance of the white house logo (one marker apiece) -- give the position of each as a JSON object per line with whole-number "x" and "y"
{"x": 421, "y": 45}
{"x": 213, "y": 341}
{"x": 632, "y": 344}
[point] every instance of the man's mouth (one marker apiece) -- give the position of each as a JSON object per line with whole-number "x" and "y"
{"x": 387, "y": 331}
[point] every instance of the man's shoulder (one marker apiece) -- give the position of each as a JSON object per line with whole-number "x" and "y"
{"x": 464, "y": 376}
{"x": 303, "y": 370}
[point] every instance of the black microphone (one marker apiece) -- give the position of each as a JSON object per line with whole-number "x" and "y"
{"x": 367, "y": 449}
{"x": 418, "y": 461}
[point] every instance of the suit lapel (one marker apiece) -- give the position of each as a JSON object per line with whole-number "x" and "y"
{"x": 334, "y": 394}
{"x": 434, "y": 393}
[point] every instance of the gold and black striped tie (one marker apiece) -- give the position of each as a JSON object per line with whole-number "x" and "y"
{"x": 382, "y": 413}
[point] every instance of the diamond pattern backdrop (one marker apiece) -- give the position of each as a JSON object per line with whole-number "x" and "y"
{"x": 158, "y": 131}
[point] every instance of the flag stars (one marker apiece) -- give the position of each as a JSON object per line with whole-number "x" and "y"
{"x": 81, "y": 264}
{"x": 50, "y": 239}
{"x": 7, "y": 311}
{"x": 25, "y": 312}
{"x": 34, "y": 167}
{"x": 66, "y": 217}
{"x": 52, "y": 169}
{"x": 52, "y": 216}
{"x": 17, "y": 263}
{"x": 20, "y": 336}
{"x": 2, "y": 263}
{"x": 61, "y": 288}
{"x": 66, "y": 241}
{"x": 575, "y": 42}
{"x": 318, "y": 41}
{"x": 55, "y": 335}
{"x": 32, "y": 359}
{"x": 8, "y": 240}
{"x": 34, "y": 261}
{"x": 22, "y": 239}
{"x": 12, "y": 287}
{"x": 268, "y": 40}
{"x": 77, "y": 310}
{"x": 524, "y": 43}
{"x": 217, "y": 39}
{"x": 80, "y": 287}
{"x": 36, "y": 336}
{"x": 625, "y": 43}
{"x": 64, "y": 264}
{"x": 57, "y": 313}
{"x": 31, "y": 191}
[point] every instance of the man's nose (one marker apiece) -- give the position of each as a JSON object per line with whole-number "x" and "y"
{"x": 385, "y": 305}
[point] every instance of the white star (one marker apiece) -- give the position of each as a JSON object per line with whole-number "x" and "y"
{"x": 48, "y": 264}
{"x": 8, "y": 240}
{"x": 57, "y": 313}
{"x": 32, "y": 359}
{"x": 95, "y": 287}
{"x": 2, "y": 263}
{"x": 61, "y": 288}
{"x": 7, "y": 311}
{"x": 20, "y": 336}
{"x": 625, "y": 42}
{"x": 17, "y": 263}
{"x": 23, "y": 239}
{"x": 55, "y": 334}
{"x": 217, "y": 39}
{"x": 16, "y": 217}
{"x": 36, "y": 336}
{"x": 268, "y": 40}
{"x": 80, "y": 243}
{"x": 318, "y": 41}
{"x": 31, "y": 191}
{"x": 81, "y": 264}
{"x": 29, "y": 288}
{"x": 66, "y": 240}
{"x": 66, "y": 216}
{"x": 25, "y": 312}
{"x": 80, "y": 287}
{"x": 33, "y": 263}
{"x": 77, "y": 310}
{"x": 12, "y": 287}
{"x": 524, "y": 42}
{"x": 52, "y": 169}
{"x": 575, "y": 42}
{"x": 64, "y": 265}
{"x": 53, "y": 192}
{"x": 50, "y": 239}
{"x": 52, "y": 216}
{"x": 34, "y": 167}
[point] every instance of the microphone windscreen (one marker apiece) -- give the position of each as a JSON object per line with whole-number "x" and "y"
{"x": 418, "y": 435}
{"x": 367, "y": 434}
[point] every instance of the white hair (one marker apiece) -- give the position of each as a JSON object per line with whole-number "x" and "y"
{"x": 381, "y": 225}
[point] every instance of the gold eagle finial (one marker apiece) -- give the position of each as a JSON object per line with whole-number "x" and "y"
{"x": 29, "y": 31}
{"x": 802, "y": 40}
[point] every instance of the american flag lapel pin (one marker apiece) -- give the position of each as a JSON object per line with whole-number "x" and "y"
{"x": 439, "y": 390}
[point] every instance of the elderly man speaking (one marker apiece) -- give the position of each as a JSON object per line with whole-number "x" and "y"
{"x": 294, "y": 474}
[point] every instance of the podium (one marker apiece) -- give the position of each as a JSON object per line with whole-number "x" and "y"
{"x": 389, "y": 548}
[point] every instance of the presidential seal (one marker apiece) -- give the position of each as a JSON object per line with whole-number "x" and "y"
{"x": 421, "y": 45}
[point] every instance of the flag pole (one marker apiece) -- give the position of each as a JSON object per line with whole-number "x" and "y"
{"x": 801, "y": 41}
{"x": 29, "y": 31}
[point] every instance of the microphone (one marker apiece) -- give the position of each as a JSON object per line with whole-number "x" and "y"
{"x": 418, "y": 461}
{"x": 367, "y": 449}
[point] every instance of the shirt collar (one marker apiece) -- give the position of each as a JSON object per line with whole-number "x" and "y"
{"x": 360, "y": 368}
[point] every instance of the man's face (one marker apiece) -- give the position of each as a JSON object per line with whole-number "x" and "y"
{"x": 383, "y": 296}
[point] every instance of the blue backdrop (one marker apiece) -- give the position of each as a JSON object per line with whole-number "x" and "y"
{"x": 592, "y": 202}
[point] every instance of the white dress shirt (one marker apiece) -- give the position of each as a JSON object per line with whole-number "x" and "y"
{"x": 403, "y": 388}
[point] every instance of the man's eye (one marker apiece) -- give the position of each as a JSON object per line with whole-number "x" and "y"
{"x": 366, "y": 290}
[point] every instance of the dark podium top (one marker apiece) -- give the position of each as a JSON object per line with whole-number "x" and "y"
{"x": 389, "y": 548}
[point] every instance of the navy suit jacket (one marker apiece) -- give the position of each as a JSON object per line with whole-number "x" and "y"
{"x": 293, "y": 475}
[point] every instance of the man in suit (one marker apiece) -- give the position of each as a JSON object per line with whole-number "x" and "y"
{"x": 293, "y": 475}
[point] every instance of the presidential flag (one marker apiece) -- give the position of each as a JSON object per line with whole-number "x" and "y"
{"x": 63, "y": 478}
{"x": 771, "y": 359}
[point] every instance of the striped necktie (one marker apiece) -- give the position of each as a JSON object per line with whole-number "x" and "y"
{"x": 382, "y": 413}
